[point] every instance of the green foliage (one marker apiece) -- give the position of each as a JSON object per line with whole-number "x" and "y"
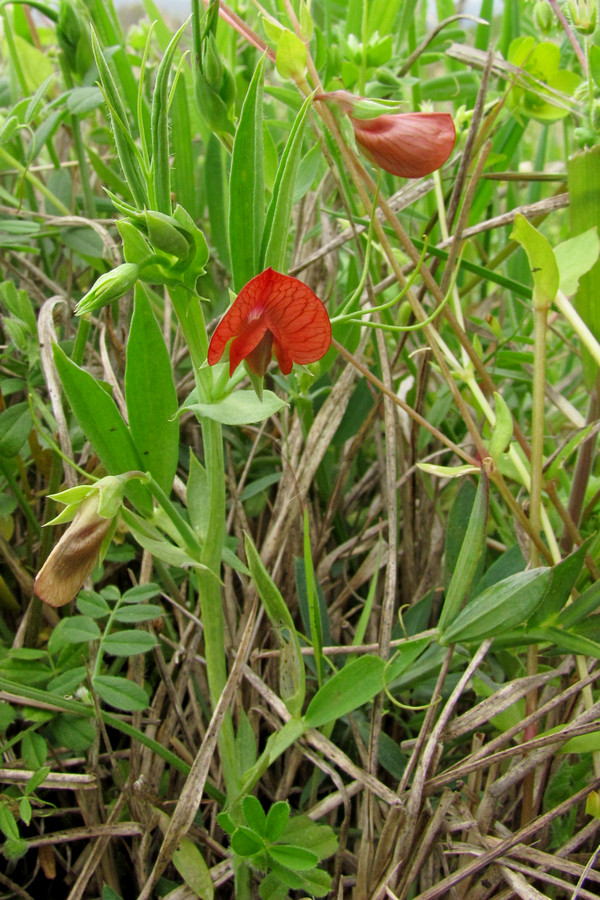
{"x": 384, "y": 494}
{"x": 287, "y": 850}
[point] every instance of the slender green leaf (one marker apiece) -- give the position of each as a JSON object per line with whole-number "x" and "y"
{"x": 161, "y": 163}
{"x": 277, "y": 222}
{"x": 500, "y": 607}
{"x": 470, "y": 553}
{"x": 151, "y": 394}
{"x": 102, "y": 424}
{"x": 246, "y": 185}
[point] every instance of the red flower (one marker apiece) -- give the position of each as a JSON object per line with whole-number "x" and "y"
{"x": 410, "y": 145}
{"x": 272, "y": 313}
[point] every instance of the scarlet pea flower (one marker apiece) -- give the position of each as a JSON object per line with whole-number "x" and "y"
{"x": 273, "y": 313}
{"x": 410, "y": 145}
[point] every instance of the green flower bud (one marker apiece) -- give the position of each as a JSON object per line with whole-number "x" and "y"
{"x": 165, "y": 235}
{"x": 212, "y": 64}
{"x": 542, "y": 16}
{"x": 109, "y": 287}
{"x": 584, "y": 15}
{"x": 72, "y": 32}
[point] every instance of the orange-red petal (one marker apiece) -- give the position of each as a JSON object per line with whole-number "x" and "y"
{"x": 410, "y": 145}
{"x": 287, "y": 308}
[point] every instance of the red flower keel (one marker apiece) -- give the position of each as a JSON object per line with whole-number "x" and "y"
{"x": 272, "y": 313}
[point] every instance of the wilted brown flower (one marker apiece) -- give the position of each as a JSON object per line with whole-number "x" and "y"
{"x": 75, "y": 555}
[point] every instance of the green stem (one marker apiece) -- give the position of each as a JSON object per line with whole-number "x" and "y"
{"x": 211, "y": 601}
{"x": 537, "y": 427}
{"x": 191, "y": 320}
{"x": 33, "y": 180}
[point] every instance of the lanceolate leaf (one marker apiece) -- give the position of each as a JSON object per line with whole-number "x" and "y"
{"x": 500, "y": 608}
{"x": 277, "y": 222}
{"x": 470, "y": 552}
{"x": 102, "y": 424}
{"x": 151, "y": 395}
{"x": 246, "y": 186}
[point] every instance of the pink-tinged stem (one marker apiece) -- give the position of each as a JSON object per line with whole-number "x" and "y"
{"x": 240, "y": 26}
{"x": 569, "y": 32}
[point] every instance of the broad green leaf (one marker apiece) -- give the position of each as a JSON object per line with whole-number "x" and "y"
{"x": 357, "y": 683}
{"x": 75, "y": 630}
{"x": 102, "y": 424}
{"x": 34, "y": 751}
{"x": 239, "y": 408}
{"x": 246, "y": 185}
{"x": 302, "y": 831}
{"x": 500, "y": 607}
{"x": 89, "y": 603}
{"x": 297, "y": 858}
{"x": 594, "y": 59}
{"x": 546, "y": 277}
{"x": 67, "y": 682}
{"x": 575, "y": 257}
{"x": 277, "y": 222}
{"x": 277, "y": 820}
{"x": 8, "y": 823}
{"x": 82, "y": 100}
{"x": 192, "y": 867}
{"x": 142, "y": 612}
{"x": 76, "y": 734}
{"x": 472, "y": 547}
{"x": 151, "y": 395}
{"x": 128, "y": 643}
{"x": 120, "y": 693}
{"x": 255, "y": 815}
{"x": 246, "y": 842}
{"x": 141, "y": 592}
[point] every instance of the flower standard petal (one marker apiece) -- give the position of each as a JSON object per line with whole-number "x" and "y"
{"x": 298, "y": 320}
{"x": 410, "y": 145}
{"x": 280, "y": 306}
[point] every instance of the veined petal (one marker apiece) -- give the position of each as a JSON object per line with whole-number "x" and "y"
{"x": 297, "y": 318}
{"x": 410, "y": 145}
{"x": 281, "y": 305}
